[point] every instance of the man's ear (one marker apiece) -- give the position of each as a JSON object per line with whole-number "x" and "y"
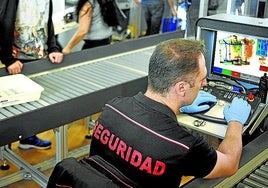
{"x": 181, "y": 88}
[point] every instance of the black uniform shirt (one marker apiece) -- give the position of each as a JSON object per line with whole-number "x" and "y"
{"x": 142, "y": 139}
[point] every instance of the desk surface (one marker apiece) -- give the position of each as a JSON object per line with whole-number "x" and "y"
{"x": 214, "y": 129}
{"x": 79, "y": 86}
{"x": 210, "y": 128}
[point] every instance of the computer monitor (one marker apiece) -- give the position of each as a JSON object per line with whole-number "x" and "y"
{"x": 239, "y": 56}
{"x": 237, "y": 47}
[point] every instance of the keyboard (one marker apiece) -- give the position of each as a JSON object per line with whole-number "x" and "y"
{"x": 224, "y": 97}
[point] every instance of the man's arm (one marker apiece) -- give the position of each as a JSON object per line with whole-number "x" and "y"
{"x": 228, "y": 152}
{"x": 172, "y": 7}
{"x": 54, "y": 52}
{"x": 84, "y": 22}
{"x": 51, "y": 41}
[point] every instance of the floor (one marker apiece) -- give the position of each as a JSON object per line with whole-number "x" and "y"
{"x": 76, "y": 138}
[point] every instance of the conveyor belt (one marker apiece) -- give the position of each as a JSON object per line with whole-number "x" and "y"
{"x": 90, "y": 77}
{"x": 87, "y": 77}
{"x": 252, "y": 174}
{"x": 79, "y": 86}
{"x": 258, "y": 178}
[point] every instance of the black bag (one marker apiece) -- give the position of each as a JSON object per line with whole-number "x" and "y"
{"x": 78, "y": 174}
{"x": 113, "y": 15}
{"x": 89, "y": 172}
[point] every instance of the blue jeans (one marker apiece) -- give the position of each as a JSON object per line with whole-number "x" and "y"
{"x": 153, "y": 16}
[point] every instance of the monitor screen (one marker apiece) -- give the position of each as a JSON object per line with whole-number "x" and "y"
{"x": 237, "y": 56}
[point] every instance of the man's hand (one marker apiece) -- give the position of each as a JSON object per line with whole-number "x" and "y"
{"x": 238, "y": 110}
{"x": 202, "y": 97}
{"x": 15, "y": 68}
{"x": 56, "y": 57}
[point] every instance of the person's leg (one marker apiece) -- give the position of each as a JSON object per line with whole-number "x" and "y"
{"x": 147, "y": 15}
{"x": 34, "y": 142}
{"x": 156, "y": 10}
{"x": 239, "y": 10}
{"x": 233, "y": 7}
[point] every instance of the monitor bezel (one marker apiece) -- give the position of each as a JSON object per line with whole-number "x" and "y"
{"x": 211, "y": 44}
{"x": 207, "y": 28}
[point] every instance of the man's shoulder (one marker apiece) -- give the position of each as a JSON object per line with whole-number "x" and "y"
{"x": 120, "y": 101}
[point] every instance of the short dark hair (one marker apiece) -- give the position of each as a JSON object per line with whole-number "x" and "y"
{"x": 172, "y": 61}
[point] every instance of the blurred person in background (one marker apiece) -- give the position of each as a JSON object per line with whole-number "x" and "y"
{"x": 154, "y": 10}
{"x": 27, "y": 34}
{"x": 92, "y": 29}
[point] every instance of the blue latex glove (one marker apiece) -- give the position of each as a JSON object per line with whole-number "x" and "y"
{"x": 202, "y": 97}
{"x": 238, "y": 110}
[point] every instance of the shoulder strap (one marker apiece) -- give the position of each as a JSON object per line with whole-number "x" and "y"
{"x": 112, "y": 172}
{"x": 92, "y": 2}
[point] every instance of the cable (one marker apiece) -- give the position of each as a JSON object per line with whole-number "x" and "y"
{"x": 242, "y": 89}
{"x": 224, "y": 85}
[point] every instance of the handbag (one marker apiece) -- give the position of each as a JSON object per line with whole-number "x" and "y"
{"x": 169, "y": 24}
{"x": 113, "y": 15}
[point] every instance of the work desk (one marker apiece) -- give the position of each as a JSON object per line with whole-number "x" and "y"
{"x": 218, "y": 130}
{"x": 210, "y": 128}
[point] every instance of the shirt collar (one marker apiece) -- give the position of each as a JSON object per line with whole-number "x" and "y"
{"x": 155, "y": 105}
